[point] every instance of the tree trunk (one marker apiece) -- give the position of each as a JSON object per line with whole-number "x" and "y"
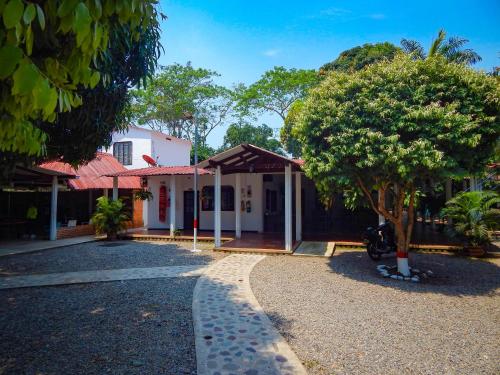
{"x": 403, "y": 231}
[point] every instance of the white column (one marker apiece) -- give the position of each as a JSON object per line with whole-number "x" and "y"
{"x": 237, "y": 204}
{"x": 217, "y": 209}
{"x": 298, "y": 206}
{"x": 115, "y": 188}
{"x": 53, "y": 210}
{"x": 381, "y": 218}
{"x": 172, "y": 205}
{"x": 288, "y": 207}
{"x": 105, "y": 192}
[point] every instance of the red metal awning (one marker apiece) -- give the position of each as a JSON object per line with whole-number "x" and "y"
{"x": 93, "y": 174}
{"x": 159, "y": 171}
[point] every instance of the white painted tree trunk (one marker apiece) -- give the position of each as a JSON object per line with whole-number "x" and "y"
{"x": 403, "y": 267}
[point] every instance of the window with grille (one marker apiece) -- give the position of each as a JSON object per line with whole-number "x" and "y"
{"x": 122, "y": 151}
{"x": 208, "y": 198}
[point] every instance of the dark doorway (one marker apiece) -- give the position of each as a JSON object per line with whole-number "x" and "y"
{"x": 189, "y": 209}
{"x": 273, "y": 217}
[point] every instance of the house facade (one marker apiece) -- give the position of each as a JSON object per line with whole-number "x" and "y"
{"x": 244, "y": 190}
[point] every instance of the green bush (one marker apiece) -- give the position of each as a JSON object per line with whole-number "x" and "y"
{"x": 110, "y": 217}
{"x": 474, "y": 215}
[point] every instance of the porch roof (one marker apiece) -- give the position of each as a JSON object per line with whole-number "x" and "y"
{"x": 160, "y": 171}
{"x": 247, "y": 158}
{"x": 92, "y": 175}
{"x": 36, "y": 175}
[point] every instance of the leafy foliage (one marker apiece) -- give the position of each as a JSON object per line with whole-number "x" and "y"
{"x": 393, "y": 125}
{"x": 178, "y": 89}
{"x": 242, "y": 132}
{"x": 52, "y": 53}
{"x": 474, "y": 215}
{"x": 451, "y": 49}
{"x": 288, "y": 132}
{"x": 276, "y": 90}
{"x": 143, "y": 195}
{"x": 110, "y": 216}
{"x": 358, "y": 57}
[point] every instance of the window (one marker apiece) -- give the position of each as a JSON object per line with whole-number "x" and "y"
{"x": 122, "y": 151}
{"x": 208, "y": 198}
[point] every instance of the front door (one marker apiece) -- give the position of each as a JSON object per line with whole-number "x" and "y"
{"x": 189, "y": 209}
{"x": 273, "y": 218}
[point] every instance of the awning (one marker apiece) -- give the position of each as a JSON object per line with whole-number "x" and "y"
{"x": 93, "y": 174}
{"x": 159, "y": 171}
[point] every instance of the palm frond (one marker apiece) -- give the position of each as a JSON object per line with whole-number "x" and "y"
{"x": 436, "y": 43}
{"x": 414, "y": 48}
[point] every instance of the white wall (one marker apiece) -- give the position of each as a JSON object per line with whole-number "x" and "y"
{"x": 141, "y": 145}
{"x": 167, "y": 151}
{"x": 250, "y": 221}
{"x": 170, "y": 151}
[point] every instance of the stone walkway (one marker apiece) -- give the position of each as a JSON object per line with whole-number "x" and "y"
{"x": 99, "y": 276}
{"x": 30, "y": 246}
{"x": 233, "y": 335}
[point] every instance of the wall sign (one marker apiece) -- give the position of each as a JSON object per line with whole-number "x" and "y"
{"x": 163, "y": 203}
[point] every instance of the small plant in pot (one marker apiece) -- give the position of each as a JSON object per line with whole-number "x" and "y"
{"x": 110, "y": 217}
{"x": 143, "y": 195}
{"x": 474, "y": 215}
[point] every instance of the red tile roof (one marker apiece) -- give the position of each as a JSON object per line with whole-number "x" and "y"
{"x": 160, "y": 171}
{"x": 93, "y": 174}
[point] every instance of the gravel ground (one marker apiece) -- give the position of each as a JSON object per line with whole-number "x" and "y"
{"x": 104, "y": 255}
{"x": 339, "y": 316}
{"x": 129, "y": 327}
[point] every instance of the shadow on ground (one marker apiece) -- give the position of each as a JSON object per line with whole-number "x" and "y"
{"x": 104, "y": 255}
{"x": 453, "y": 275}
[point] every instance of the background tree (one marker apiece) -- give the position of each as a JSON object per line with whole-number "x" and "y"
{"x": 51, "y": 53}
{"x": 276, "y": 90}
{"x": 358, "y": 57}
{"x": 394, "y": 125}
{"x": 450, "y": 49}
{"x": 288, "y": 132}
{"x": 177, "y": 89}
{"x": 244, "y": 132}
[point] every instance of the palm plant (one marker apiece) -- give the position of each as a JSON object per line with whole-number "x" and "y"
{"x": 110, "y": 217}
{"x": 474, "y": 215}
{"x": 451, "y": 49}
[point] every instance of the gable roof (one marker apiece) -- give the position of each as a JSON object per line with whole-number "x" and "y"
{"x": 92, "y": 175}
{"x": 162, "y": 135}
{"x": 247, "y": 158}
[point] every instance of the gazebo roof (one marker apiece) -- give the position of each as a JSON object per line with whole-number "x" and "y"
{"x": 247, "y": 158}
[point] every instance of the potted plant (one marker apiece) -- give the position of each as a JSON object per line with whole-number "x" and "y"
{"x": 143, "y": 195}
{"x": 110, "y": 217}
{"x": 474, "y": 215}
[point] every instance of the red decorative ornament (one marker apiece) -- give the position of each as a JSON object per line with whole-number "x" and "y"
{"x": 163, "y": 204}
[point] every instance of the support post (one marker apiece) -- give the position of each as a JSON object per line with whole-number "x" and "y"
{"x": 90, "y": 203}
{"x": 288, "y": 207}
{"x": 105, "y": 192}
{"x": 172, "y": 205}
{"x": 237, "y": 205}
{"x": 448, "y": 189}
{"x": 53, "y": 209}
{"x": 217, "y": 210}
{"x": 381, "y": 218}
{"x": 115, "y": 188}
{"x": 298, "y": 206}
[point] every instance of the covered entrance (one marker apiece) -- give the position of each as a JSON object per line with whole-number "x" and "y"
{"x": 281, "y": 198}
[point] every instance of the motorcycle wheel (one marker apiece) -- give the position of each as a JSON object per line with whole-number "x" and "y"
{"x": 372, "y": 252}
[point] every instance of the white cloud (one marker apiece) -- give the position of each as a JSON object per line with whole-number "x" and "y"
{"x": 271, "y": 52}
{"x": 345, "y": 15}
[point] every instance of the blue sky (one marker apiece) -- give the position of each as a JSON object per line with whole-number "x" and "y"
{"x": 242, "y": 39}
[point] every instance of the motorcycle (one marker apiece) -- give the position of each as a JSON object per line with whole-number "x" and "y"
{"x": 380, "y": 240}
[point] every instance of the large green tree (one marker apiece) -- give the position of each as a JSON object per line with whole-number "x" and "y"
{"x": 176, "y": 90}
{"x": 358, "y": 57}
{"x": 54, "y": 53}
{"x": 243, "y": 132}
{"x": 450, "y": 48}
{"x": 395, "y": 125}
{"x": 276, "y": 90}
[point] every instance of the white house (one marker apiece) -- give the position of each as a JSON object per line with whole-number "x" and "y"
{"x": 130, "y": 146}
{"x": 247, "y": 191}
